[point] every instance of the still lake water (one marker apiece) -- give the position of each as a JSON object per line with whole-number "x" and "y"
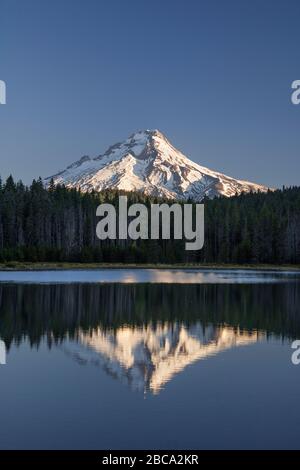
{"x": 151, "y": 359}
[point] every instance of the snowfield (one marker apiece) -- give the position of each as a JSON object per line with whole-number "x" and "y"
{"x": 148, "y": 162}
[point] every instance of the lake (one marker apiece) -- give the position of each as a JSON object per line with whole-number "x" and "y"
{"x": 149, "y": 359}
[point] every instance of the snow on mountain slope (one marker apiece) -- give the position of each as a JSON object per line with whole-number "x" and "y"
{"x": 149, "y": 163}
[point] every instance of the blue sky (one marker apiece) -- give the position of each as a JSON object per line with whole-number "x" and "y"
{"x": 214, "y": 76}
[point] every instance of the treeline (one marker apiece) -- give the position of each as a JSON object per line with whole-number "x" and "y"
{"x": 59, "y": 224}
{"x": 57, "y": 312}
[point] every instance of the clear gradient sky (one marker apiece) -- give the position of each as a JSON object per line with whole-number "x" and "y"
{"x": 214, "y": 76}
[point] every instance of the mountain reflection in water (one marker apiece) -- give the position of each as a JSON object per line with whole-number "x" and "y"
{"x": 144, "y": 334}
{"x": 147, "y": 358}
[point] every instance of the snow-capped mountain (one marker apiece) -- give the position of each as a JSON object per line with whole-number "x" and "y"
{"x": 149, "y": 163}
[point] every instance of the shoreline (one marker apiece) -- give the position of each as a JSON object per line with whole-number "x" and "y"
{"x": 16, "y": 266}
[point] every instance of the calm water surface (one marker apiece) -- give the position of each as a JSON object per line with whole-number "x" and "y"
{"x": 165, "y": 276}
{"x": 149, "y": 359}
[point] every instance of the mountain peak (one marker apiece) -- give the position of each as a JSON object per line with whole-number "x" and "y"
{"x": 147, "y": 162}
{"x": 149, "y": 132}
{"x": 146, "y": 134}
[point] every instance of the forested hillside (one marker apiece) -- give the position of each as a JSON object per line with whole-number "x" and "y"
{"x": 58, "y": 224}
